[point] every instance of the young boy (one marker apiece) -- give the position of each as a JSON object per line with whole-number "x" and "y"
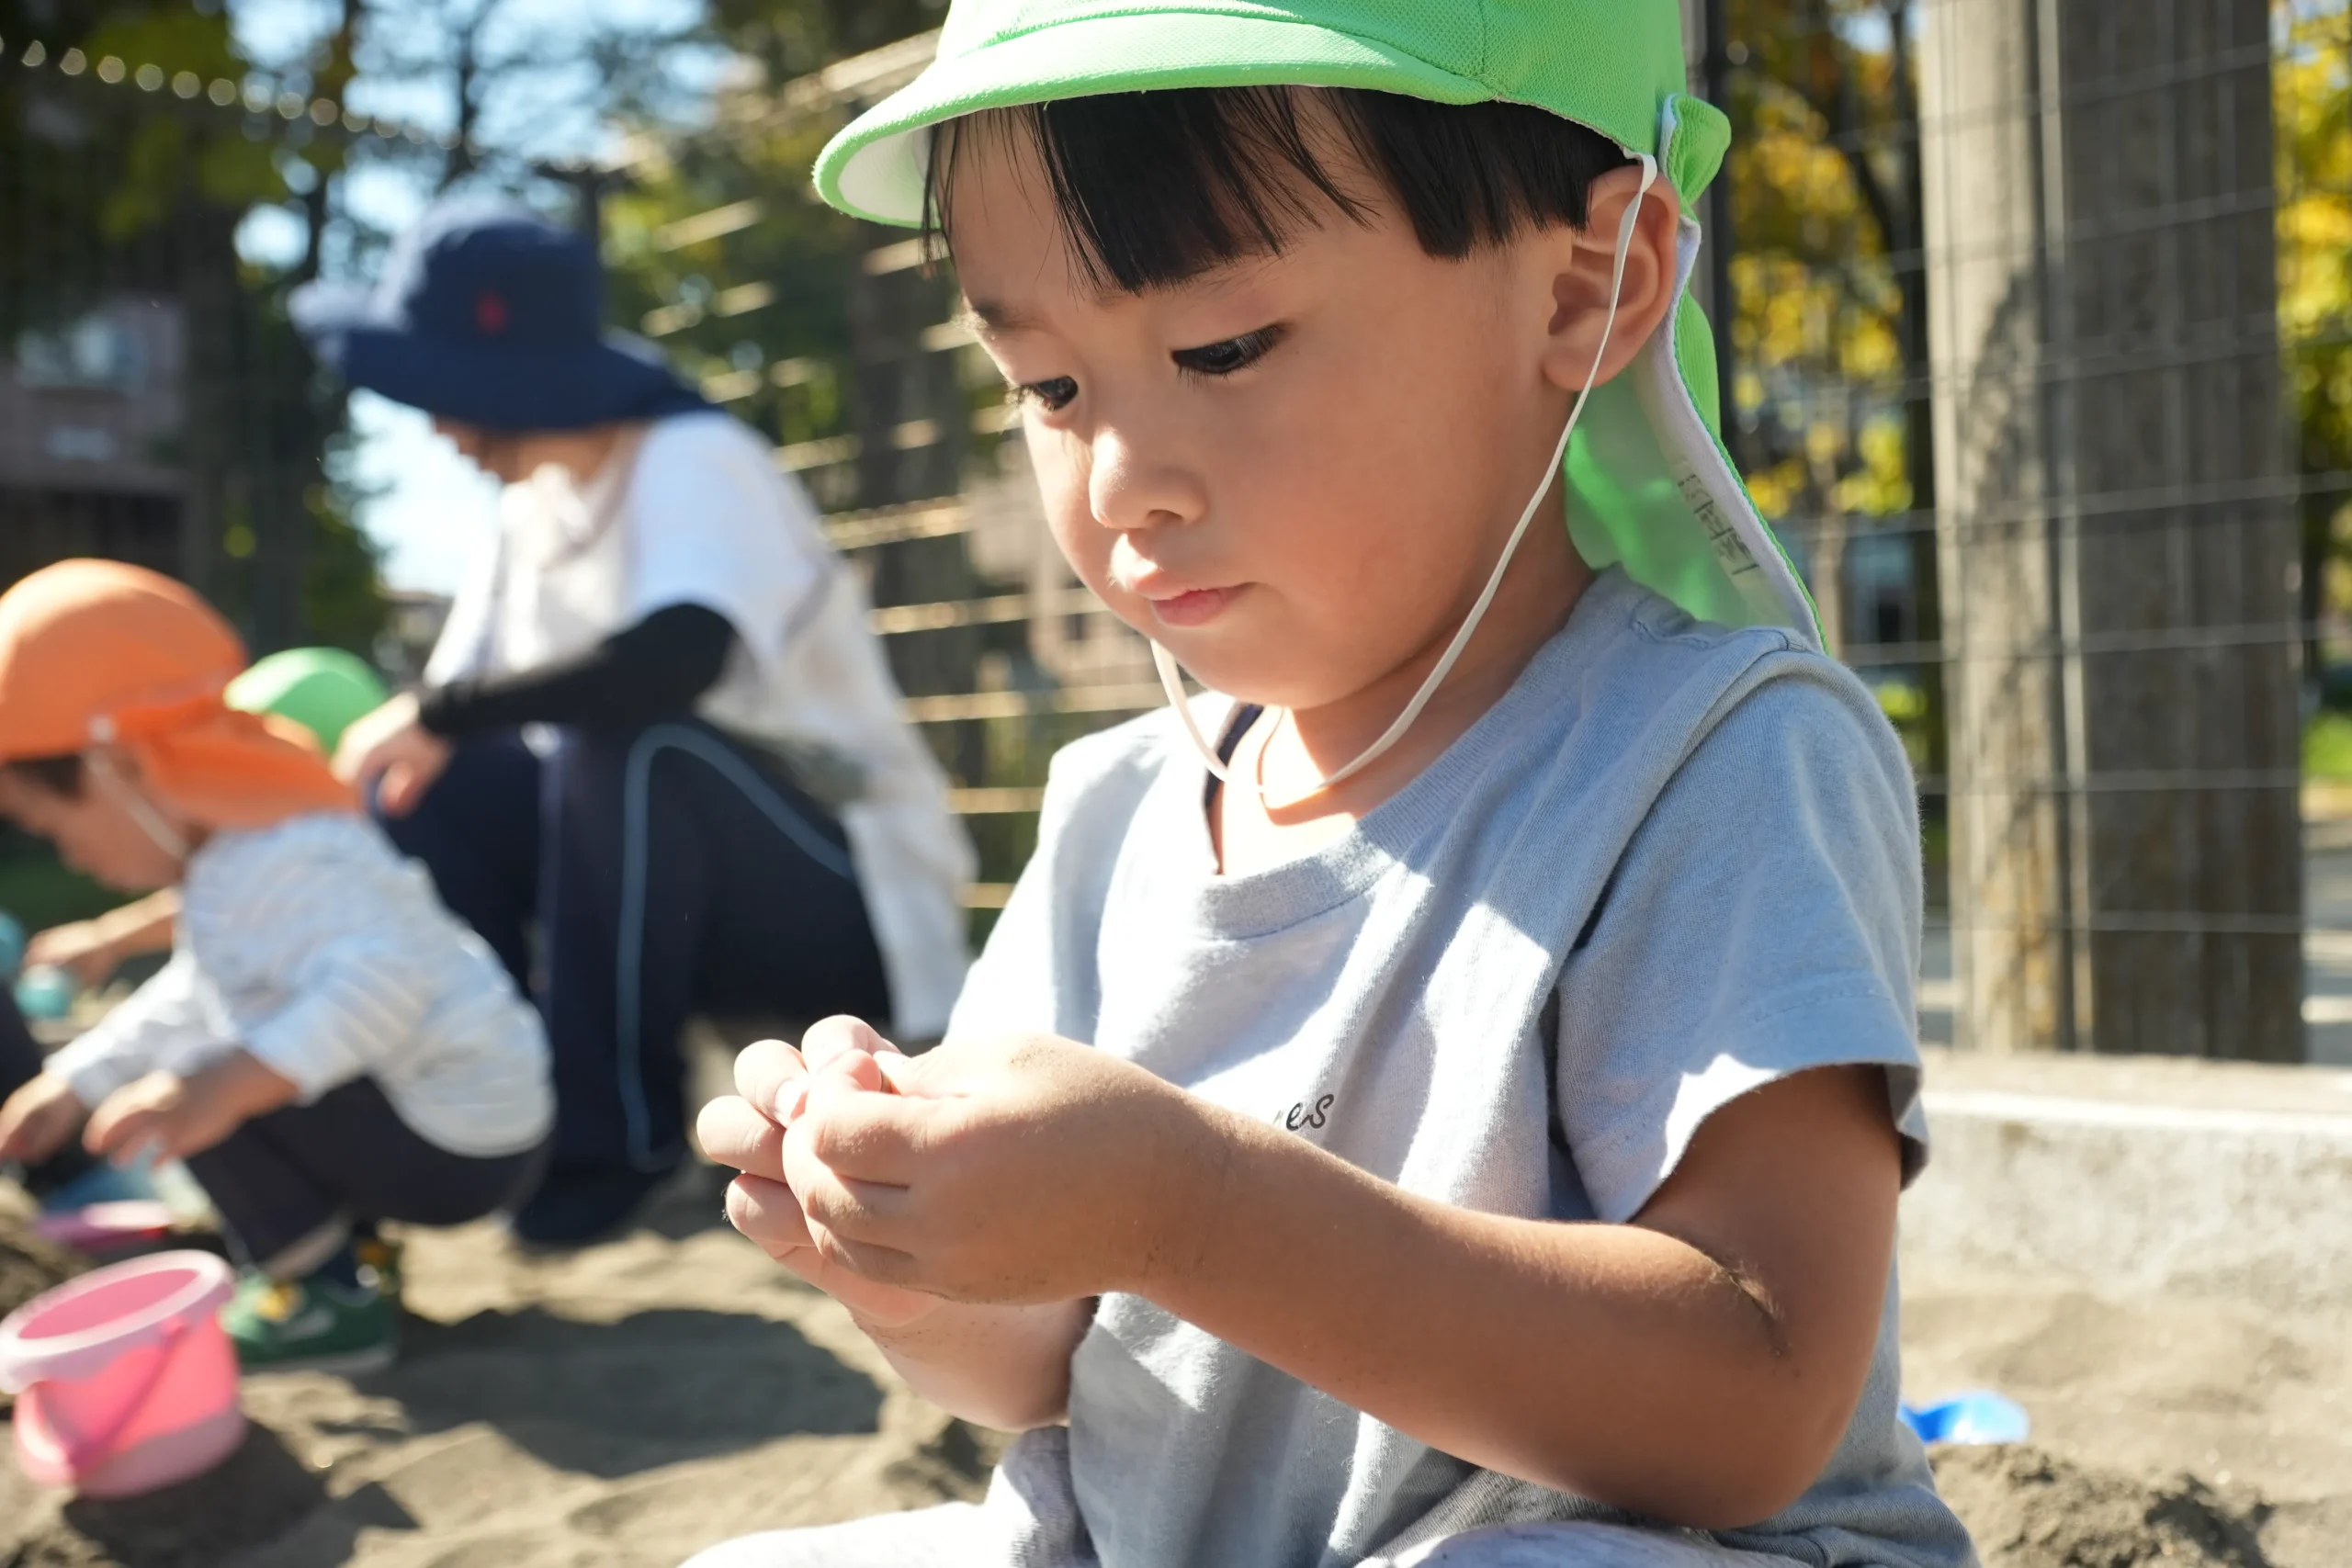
{"x": 1497, "y": 1069}
{"x": 327, "y": 1047}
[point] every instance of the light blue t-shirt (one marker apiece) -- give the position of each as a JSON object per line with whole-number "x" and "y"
{"x": 1673, "y": 864}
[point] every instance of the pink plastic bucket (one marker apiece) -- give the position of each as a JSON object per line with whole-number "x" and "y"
{"x": 124, "y": 1378}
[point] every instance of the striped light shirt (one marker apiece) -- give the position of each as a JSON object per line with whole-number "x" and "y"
{"x": 316, "y": 948}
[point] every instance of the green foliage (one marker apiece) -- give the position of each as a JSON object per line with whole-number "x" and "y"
{"x": 2327, "y": 748}
{"x": 343, "y": 586}
{"x": 794, "y": 38}
{"x": 39, "y": 891}
{"x": 2313, "y": 89}
{"x": 763, "y": 315}
{"x": 1824, "y": 175}
{"x": 766, "y": 307}
{"x": 137, "y": 156}
{"x": 133, "y": 174}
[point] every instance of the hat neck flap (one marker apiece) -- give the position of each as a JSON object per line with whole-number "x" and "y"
{"x": 1650, "y": 487}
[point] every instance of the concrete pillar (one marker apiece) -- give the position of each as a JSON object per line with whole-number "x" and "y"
{"x": 2117, "y": 543}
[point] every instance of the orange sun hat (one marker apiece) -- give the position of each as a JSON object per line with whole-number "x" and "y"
{"x": 96, "y": 652}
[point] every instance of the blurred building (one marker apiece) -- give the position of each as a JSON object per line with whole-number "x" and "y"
{"x": 90, "y": 422}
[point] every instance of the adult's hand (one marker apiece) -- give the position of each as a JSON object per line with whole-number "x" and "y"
{"x": 392, "y": 751}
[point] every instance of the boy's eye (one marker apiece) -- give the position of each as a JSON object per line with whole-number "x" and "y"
{"x": 1231, "y": 356}
{"x": 1054, "y": 396}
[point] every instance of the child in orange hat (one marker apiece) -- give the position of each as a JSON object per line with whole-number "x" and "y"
{"x": 327, "y": 1046}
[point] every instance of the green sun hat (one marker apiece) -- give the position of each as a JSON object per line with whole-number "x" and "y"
{"x": 322, "y": 689}
{"x": 1650, "y": 484}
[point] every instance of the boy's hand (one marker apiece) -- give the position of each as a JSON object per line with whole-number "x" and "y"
{"x": 86, "y": 950}
{"x": 745, "y": 1130}
{"x": 38, "y": 1119}
{"x": 1029, "y": 1169}
{"x": 171, "y": 1117}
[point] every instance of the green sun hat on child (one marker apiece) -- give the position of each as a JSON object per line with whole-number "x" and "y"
{"x": 1650, "y": 485}
{"x": 322, "y": 689}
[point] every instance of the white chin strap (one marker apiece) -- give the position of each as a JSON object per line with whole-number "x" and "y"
{"x": 1172, "y": 675}
{"x": 134, "y": 800}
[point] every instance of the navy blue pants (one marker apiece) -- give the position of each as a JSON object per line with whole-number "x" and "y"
{"x": 630, "y": 881}
{"x": 289, "y": 1184}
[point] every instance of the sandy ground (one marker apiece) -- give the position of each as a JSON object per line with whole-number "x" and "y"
{"x": 2165, "y": 1433}
{"x": 622, "y": 1407}
{"x": 630, "y": 1404}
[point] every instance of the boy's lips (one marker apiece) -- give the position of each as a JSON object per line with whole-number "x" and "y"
{"x": 1194, "y": 607}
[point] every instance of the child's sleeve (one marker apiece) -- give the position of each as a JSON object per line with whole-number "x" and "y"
{"x": 356, "y": 970}
{"x": 158, "y": 1025}
{"x": 356, "y": 1001}
{"x": 1763, "y": 922}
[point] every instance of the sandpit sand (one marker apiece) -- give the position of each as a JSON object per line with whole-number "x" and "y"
{"x": 2165, "y": 1433}
{"x": 628, "y": 1406}
{"x": 28, "y": 1264}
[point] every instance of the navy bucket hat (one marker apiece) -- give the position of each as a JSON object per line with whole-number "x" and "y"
{"x": 491, "y": 314}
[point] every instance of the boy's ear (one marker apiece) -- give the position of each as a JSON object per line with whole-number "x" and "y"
{"x": 1585, "y": 266}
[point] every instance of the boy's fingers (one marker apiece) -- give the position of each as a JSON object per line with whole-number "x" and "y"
{"x": 768, "y": 1214}
{"x": 853, "y": 1071}
{"x": 877, "y": 1138}
{"x": 831, "y": 1038}
{"x": 107, "y": 1133}
{"x": 869, "y": 1261}
{"x": 857, "y": 1208}
{"x": 766, "y": 1071}
{"x": 732, "y": 1130}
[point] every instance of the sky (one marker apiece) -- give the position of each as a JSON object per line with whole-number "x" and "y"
{"x": 429, "y": 510}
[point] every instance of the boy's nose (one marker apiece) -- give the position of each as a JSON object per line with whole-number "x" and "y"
{"x": 1128, "y": 487}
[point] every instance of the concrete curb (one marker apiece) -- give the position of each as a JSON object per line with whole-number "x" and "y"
{"x": 2139, "y": 1196}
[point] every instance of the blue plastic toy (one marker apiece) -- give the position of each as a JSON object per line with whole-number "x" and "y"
{"x": 1977, "y": 1416}
{"x": 45, "y": 992}
{"x": 12, "y": 945}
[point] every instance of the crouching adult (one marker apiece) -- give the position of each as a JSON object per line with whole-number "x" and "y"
{"x": 660, "y": 761}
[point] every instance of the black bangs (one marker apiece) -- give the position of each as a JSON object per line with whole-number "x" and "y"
{"x": 1153, "y": 188}
{"x": 60, "y": 775}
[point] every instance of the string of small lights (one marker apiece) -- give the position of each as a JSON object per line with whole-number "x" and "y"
{"x": 252, "y": 97}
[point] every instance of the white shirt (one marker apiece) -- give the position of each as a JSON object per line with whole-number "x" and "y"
{"x": 319, "y": 949}
{"x": 694, "y": 511}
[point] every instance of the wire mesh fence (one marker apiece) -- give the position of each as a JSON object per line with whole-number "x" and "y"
{"x": 2039, "y": 326}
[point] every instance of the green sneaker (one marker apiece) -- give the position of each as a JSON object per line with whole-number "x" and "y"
{"x": 279, "y": 1325}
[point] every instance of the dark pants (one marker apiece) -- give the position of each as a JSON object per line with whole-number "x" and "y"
{"x": 288, "y": 1185}
{"x": 674, "y": 872}
{"x": 20, "y": 1056}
